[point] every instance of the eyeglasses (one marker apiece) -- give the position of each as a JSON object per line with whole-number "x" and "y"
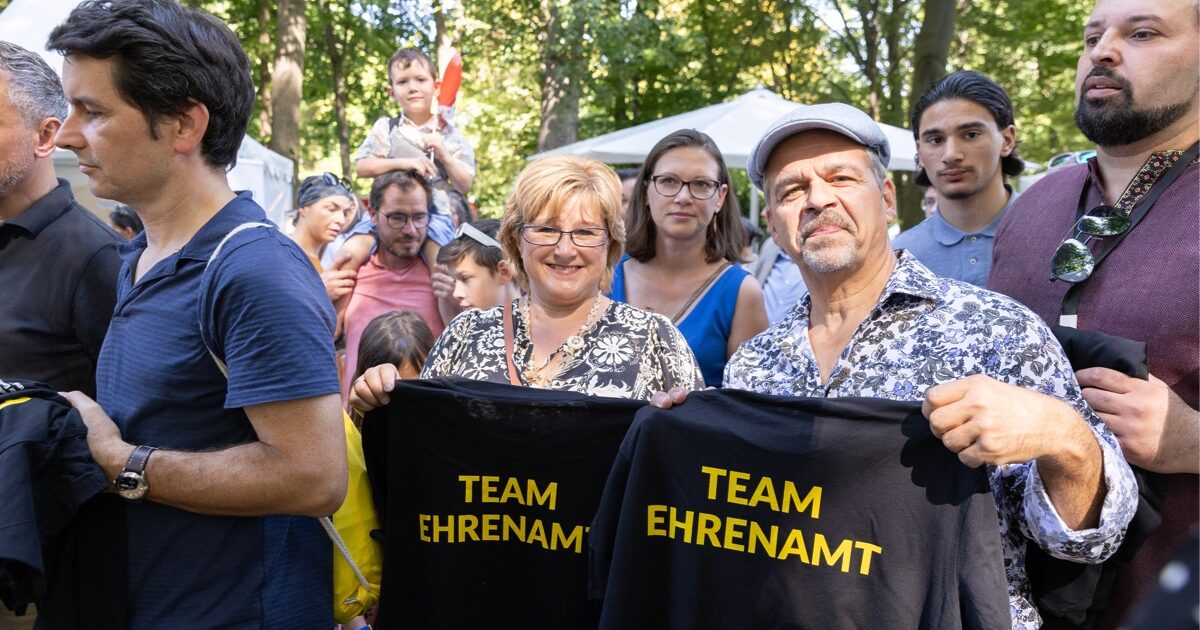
{"x": 546, "y": 235}
{"x": 1073, "y": 261}
{"x": 475, "y": 234}
{"x": 669, "y": 186}
{"x": 330, "y": 179}
{"x": 399, "y": 220}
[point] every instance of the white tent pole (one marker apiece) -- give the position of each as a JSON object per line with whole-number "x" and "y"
{"x": 753, "y": 205}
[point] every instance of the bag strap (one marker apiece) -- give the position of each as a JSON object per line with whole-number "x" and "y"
{"x": 508, "y": 344}
{"x": 326, "y": 521}
{"x": 204, "y": 288}
{"x": 699, "y": 292}
{"x": 1069, "y": 316}
{"x": 332, "y": 532}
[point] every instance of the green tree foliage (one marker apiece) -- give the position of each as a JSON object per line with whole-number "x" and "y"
{"x": 1030, "y": 48}
{"x": 640, "y": 60}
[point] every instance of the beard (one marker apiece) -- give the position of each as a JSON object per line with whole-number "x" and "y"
{"x": 16, "y": 168}
{"x": 831, "y": 257}
{"x": 1117, "y": 124}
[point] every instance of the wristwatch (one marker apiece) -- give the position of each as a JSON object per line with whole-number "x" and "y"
{"x": 131, "y": 484}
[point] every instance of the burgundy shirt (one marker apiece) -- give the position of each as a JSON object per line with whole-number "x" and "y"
{"x": 1147, "y": 289}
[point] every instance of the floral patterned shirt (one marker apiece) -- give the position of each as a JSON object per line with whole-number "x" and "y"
{"x": 628, "y": 353}
{"x": 927, "y": 330}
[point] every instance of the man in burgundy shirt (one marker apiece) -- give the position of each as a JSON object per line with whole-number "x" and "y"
{"x": 1136, "y": 96}
{"x": 395, "y": 277}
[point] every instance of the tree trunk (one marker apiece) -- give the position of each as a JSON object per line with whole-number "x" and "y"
{"x": 336, "y": 69}
{"x": 932, "y": 45}
{"x": 287, "y": 80}
{"x": 561, "y": 84}
{"x": 264, "y": 69}
{"x": 868, "y": 12}
{"x": 930, "y": 51}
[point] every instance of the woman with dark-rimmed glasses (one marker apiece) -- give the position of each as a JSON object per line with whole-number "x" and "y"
{"x": 562, "y": 235}
{"x": 685, "y": 238}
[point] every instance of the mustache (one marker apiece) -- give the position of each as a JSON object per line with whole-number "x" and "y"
{"x": 1107, "y": 73}
{"x": 828, "y": 217}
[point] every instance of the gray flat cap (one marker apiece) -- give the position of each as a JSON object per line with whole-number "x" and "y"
{"x": 838, "y": 117}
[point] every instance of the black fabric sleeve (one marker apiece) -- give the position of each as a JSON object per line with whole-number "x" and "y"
{"x": 95, "y": 298}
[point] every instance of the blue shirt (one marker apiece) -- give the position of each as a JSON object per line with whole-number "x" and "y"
{"x": 707, "y": 326}
{"x": 783, "y": 288}
{"x": 950, "y": 252}
{"x": 267, "y": 316}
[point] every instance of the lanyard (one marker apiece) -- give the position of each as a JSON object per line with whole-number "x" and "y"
{"x": 1070, "y": 306}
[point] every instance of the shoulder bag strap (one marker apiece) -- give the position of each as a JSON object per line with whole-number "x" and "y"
{"x": 508, "y": 344}
{"x": 699, "y": 292}
{"x": 1070, "y": 306}
{"x": 204, "y": 287}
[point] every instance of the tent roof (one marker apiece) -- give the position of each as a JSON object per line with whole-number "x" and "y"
{"x": 735, "y": 126}
{"x": 27, "y": 23}
{"x": 268, "y": 174}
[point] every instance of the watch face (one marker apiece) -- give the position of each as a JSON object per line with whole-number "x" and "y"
{"x": 131, "y": 485}
{"x": 126, "y": 482}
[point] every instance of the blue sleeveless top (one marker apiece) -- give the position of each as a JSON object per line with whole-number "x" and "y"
{"x": 707, "y": 326}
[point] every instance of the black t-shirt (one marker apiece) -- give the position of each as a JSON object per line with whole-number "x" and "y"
{"x": 72, "y": 569}
{"x": 740, "y": 510}
{"x": 485, "y": 493}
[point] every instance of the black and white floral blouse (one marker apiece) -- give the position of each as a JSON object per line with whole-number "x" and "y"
{"x": 628, "y": 353}
{"x": 927, "y": 330}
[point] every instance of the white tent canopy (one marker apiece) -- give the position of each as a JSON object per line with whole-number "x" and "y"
{"x": 263, "y": 172}
{"x": 735, "y": 126}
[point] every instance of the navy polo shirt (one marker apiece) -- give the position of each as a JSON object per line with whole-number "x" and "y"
{"x": 267, "y": 316}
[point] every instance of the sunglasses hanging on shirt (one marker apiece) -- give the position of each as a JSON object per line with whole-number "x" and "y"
{"x": 1074, "y": 261}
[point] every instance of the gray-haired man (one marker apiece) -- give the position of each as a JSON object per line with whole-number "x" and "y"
{"x": 58, "y": 262}
{"x": 995, "y": 385}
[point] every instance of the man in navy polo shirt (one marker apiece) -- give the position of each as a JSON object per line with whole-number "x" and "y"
{"x": 220, "y": 527}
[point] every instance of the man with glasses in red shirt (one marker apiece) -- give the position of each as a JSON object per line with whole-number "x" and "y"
{"x": 395, "y": 276}
{"x": 1111, "y": 246}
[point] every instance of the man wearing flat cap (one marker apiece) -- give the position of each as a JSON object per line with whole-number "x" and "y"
{"x": 996, "y": 387}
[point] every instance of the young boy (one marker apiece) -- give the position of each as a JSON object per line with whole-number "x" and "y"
{"x": 481, "y": 275}
{"x": 415, "y": 140}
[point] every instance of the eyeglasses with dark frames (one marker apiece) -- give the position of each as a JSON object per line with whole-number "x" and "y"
{"x": 547, "y": 235}
{"x": 399, "y": 220}
{"x": 669, "y": 186}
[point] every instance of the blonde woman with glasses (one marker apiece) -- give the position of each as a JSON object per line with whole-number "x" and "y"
{"x": 562, "y": 236}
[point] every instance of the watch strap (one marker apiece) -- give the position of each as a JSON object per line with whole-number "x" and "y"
{"x": 138, "y": 459}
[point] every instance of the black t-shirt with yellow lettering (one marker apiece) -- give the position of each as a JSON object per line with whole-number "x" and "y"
{"x": 485, "y": 493}
{"x": 740, "y": 510}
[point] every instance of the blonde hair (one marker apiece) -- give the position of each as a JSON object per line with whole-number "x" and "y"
{"x": 545, "y": 188}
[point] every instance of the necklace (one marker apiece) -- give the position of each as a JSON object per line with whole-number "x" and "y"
{"x": 536, "y": 375}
